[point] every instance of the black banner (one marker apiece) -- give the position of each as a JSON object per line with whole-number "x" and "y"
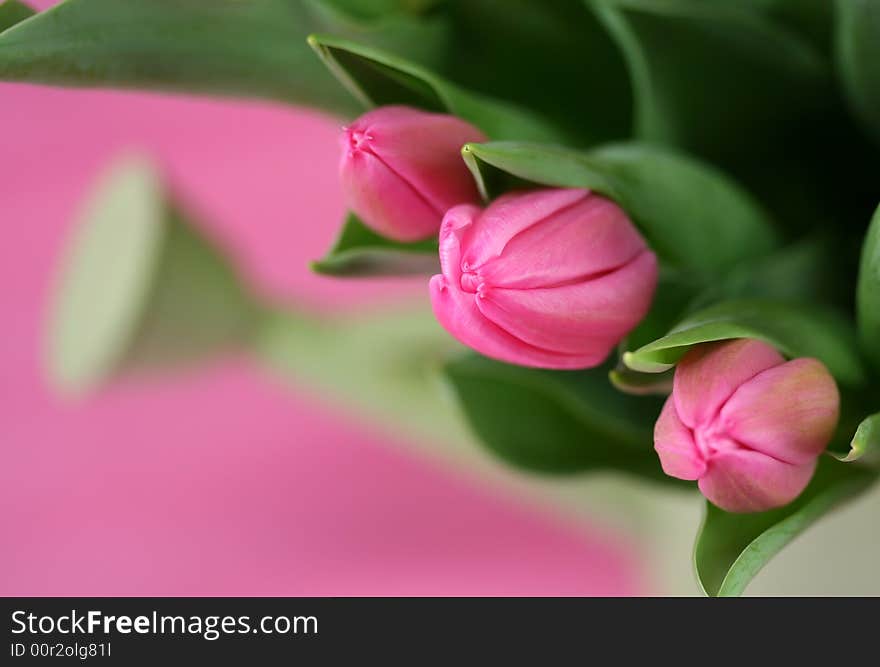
{"x": 127, "y": 631}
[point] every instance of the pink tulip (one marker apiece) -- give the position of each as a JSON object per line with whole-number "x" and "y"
{"x": 401, "y": 170}
{"x": 746, "y": 423}
{"x": 548, "y": 278}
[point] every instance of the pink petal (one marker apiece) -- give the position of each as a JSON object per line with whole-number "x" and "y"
{"x": 742, "y": 480}
{"x": 588, "y": 238}
{"x": 457, "y": 312}
{"x": 674, "y": 443}
{"x": 709, "y": 374}
{"x": 587, "y": 318}
{"x": 509, "y": 215}
{"x": 384, "y": 201}
{"x": 455, "y": 222}
{"x": 424, "y": 149}
{"x": 788, "y": 412}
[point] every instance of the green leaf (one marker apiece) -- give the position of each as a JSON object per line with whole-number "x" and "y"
{"x": 373, "y": 9}
{"x": 865, "y": 445}
{"x": 556, "y": 421}
{"x": 731, "y": 548}
{"x": 359, "y": 251}
{"x": 552, "y": 56}
{"x": 140, "y": 287}
{"x": 796, "y": 330}
{"x": 708, "y": 233}
{"x": 811, "y": 18}
{"x": 672, "y": 299}
{"x": 378, "y": 78}
{"x": 640, "y": 384}
{"x": 12, "y": 12}
{"x": 251, "y": 48}
{"x": 802, "y": 272}
{"x": 858, "y": 57}
{"x": 868, "y": 292}
{"x": 807, "y": 271}
{"x": 706, "y": 74}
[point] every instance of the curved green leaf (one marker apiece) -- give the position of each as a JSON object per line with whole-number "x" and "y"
{"x": 858, "y": 57}
{"x": 253, "y": 48}
{"x": 556, "y": 422}
{"x": 379, "y": 78}
{"x": 672, "y": 299}
{"x": 868, "y": 292}
{"x": 707, "y": 74}
{"x": 795, "y": 330}
{"x": 640, "y": 384}
{"x": 12, "y": 12}
{"x": 732, "y": 548}
{"x": 802, "y": 271}
{"x": 359, "y": 251}
{"x": 865, "y": 445}
{"x": 708, "y": 233}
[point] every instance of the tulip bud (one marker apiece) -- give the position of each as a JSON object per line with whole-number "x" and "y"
{"x": 745, "y": 423}
{"x": 548, "y": 278}
{"x": 401, "y": 170}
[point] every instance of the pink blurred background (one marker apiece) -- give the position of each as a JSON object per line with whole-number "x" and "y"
{"x": 224, "y": 483}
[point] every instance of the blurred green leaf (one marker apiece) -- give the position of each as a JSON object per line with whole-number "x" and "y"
{"x": 359, "y": 251}
{"x": 381, "y": 361}
{"x": 556, "y": 421}
{"x": 707, "y": 74}
{"x": 143, "y": 289}
{"x": 373, "y": 9}
{"x": 812, "y": 19}
{"x": 732, "y": 548}
{"x": 552, "y": 56}
{"x": 378, "y": 78}
{"x": 12, "y": 12}
{"x": 868, "y": 292}
{"x": 252, "y": 48}
{"x": 708, "y": 233}
{"x": 140, "y": 287}
{"x": 858, "y": 57}
{"x": 796, "y": 330}
{"x": 805, "y": 271}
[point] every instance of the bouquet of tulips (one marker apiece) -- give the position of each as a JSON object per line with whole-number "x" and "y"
{"x": 646, "y": 223}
